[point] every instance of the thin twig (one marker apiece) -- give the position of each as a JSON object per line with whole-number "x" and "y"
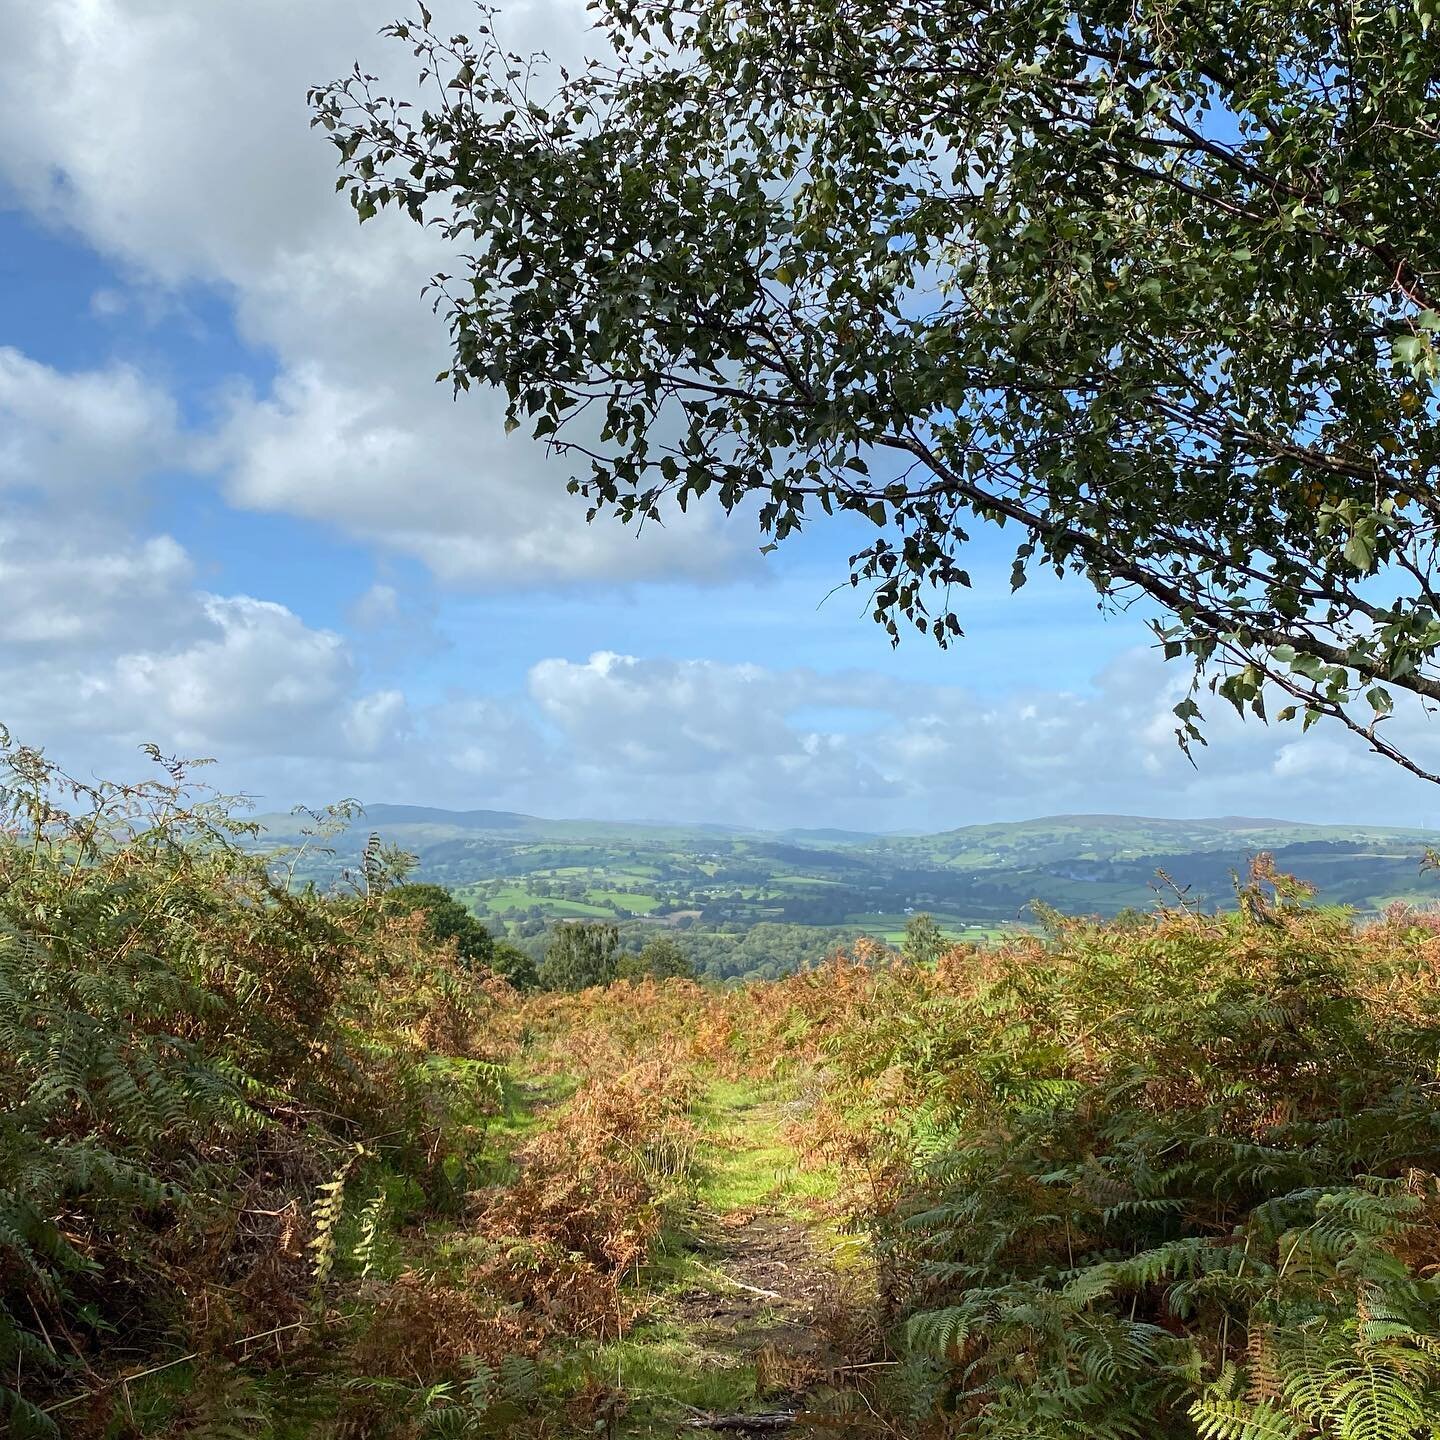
{"x": 168, "y": 1364}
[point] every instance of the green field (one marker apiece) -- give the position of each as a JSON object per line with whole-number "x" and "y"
{"x": 801, "y": 892}
{"x": 640, "y": 903}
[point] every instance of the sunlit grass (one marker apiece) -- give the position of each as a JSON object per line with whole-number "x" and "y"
{"x": 666, "y": 1374}
{"x": 749, "y": 1164}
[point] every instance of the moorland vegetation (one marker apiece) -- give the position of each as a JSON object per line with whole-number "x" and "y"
{"x": 278, "y": 1161}
{"x": 1152, "y": 285}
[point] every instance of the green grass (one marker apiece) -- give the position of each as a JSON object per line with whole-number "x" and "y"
{"x": 972, "y": 934}
{"x": 295, "y": 1407}
{"x": 748, "y": 1164}
{"x": 524, "y": 1103}
{"x": 634, "y": 900}
{"x": 666, "y": 1374}
{"x": 516, "y": 897}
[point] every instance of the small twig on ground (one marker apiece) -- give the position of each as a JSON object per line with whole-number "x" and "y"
{"x": 754, "y": 1289}
{"x": 731, "y": 1281}
{"x": 750, "y": 1424}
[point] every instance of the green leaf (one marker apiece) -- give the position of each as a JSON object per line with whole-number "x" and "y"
{"x": 1409, "y": 350}
{"x": 1360, "y": 550}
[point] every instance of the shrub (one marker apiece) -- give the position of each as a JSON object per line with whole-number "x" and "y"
{"x": 511, "y": 963}
{"x": 580, "y": 954}
{"x": 446, "y": 919}
{"x": 589, "y": 1200}
{"x": 1170, "y": 1178}
{"x": 661, "y": 959}
{"x": 190, "y": 1053}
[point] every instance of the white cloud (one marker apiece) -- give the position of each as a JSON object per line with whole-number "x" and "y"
{"x": 250, "y": 683}
{"x": 68, "y": 584}
{"x": 258, "y": 669}
{"x": 749, "y": 744}
{"x": 177, "y": 135}
{"x": 104, "y": 639}
{"x": 376, "y": 723}
{"x": 205, "y": 169}
{"x": 483, "y": 752}
{"x": 392, "y": 461}
{"x": 377, "y": 608}
{"x": 79, "y": 433}
{"x": 287, "y": 709}
{"x": 168, "y": 133}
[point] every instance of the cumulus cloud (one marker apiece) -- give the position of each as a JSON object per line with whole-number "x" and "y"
{"x": 245, "y": 677}
{"x": 65, "y": 585}
{"x": 256, "y": 675}
{"x": 105, "y": 641}
{"x": 389, "y": 460}
{"x": 702, "y": 738}
{"x": 751, "y": 744}
{"x": 623, "y": 737}
{"x": 177, "y": 136}
{"x": 83, "y": 432}
{"x": 205, "y": 169}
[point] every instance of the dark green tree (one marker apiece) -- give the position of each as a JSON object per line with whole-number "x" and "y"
{"x": 1152, "y": 286}
{"x": 448, "y": 920}
{"x": 580, "y": 954}
{"x": 511, "y": 962}
{"x": 661, "y": 959}
{"x": 924, "y": 942}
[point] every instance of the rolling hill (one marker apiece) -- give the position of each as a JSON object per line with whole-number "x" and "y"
{"x": 521, "y": 872}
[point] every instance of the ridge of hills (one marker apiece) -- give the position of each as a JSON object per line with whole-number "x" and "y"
{"x": 1085, "y": 829}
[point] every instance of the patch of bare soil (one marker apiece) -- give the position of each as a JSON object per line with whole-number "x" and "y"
{"x": 772, "y": 1284}
{"x": 784, "y": 1309}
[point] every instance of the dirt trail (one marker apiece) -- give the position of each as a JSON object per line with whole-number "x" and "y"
{"x": 772, "y": 1291}
{"x": 774, "y": 1280}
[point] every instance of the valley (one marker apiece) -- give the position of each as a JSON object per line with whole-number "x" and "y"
{"x": 749, "y": 903}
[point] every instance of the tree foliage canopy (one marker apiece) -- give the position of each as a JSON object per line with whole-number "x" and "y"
{"x": 447, "y": 919}
{"x": 580, "y": 954}
{"x": 1152, "y": 286}
{"x": 924, "y": 940}
{"x": 661, "y": 959}
{"x": 515, "y": 965}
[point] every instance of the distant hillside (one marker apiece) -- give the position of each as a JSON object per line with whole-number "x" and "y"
{"x": 404, "y": 823}
{"x": 1121, "y": 837}
{"x": 829, "y": 837}
{"x": 714, "y": 885}
{"x": 382, "y": 816}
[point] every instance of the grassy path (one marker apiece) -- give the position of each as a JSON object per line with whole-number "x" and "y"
{"x": 738, "y": 1298}
{"x": 742, "y": 1306}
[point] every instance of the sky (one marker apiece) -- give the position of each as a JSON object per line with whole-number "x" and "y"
{"x": 238, "y": 518}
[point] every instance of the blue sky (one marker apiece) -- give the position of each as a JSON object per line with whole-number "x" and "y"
{"x": 238, "y": 519}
